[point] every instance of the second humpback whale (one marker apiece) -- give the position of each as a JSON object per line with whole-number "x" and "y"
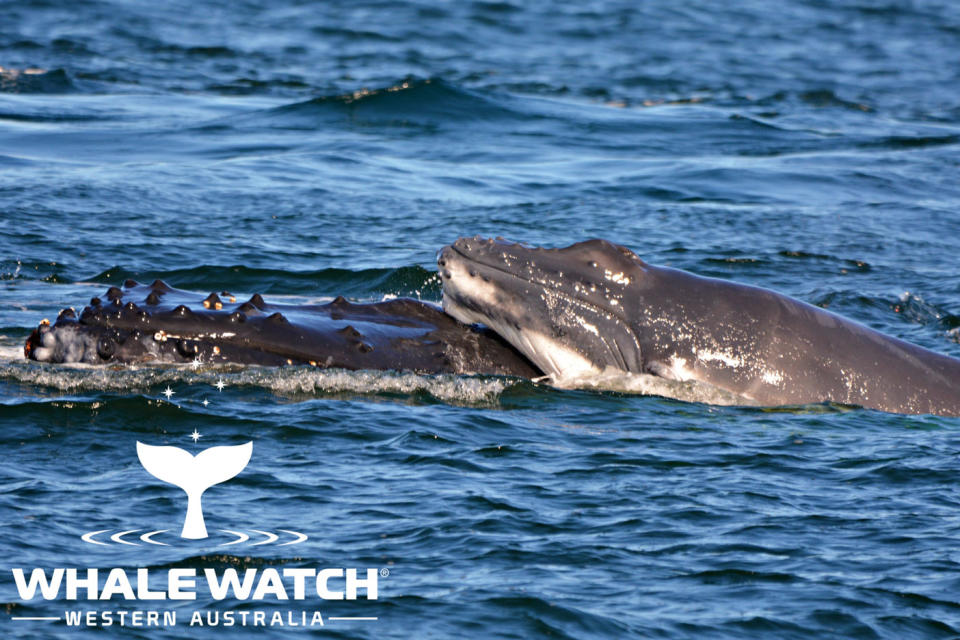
{"x": 157, "y": 323}
{"x": 596, "y": 307}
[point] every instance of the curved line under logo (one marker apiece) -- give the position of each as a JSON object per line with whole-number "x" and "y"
{"x": 271, "y": 537}
{"x": 300, "y": 537}
{"x": 241, "y": 537}
{"x": 118, "y": 537}
{"x": 88, "y": 537}
{"x": 147, "y": 537}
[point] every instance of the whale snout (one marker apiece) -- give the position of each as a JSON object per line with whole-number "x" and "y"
{"x": 561, "y": 308}
{"x": 475, "y": 248}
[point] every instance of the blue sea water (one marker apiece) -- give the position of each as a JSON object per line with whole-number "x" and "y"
{"x": 306, "y": 150}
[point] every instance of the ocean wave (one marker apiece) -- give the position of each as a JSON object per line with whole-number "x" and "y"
{"x": 44, "y": 271}
{"x": 432, "y": 102}
{"x": 409, "y": 281}
{"x": 35, "y": 80}
{"x": 410, "y": 101}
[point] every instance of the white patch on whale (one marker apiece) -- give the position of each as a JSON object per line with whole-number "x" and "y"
{"x": 555, "y": 359}
{"x": 619, "y": 278}
{"x": 772, "y": 377}
{"x": 66, "y": 344}
{"x": 731, "y": 360}
{"x": 612, "y": 379}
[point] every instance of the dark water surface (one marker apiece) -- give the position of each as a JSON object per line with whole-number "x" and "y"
{"x": 309, "y": 150}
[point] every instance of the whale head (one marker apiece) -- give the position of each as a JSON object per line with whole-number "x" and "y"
{"x": 562, "y": 308}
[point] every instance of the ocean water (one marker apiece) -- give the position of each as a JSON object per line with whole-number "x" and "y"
{"x": 306, "y": 150}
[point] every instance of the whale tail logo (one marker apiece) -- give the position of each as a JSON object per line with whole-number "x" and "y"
{"x": 194, "y": 474}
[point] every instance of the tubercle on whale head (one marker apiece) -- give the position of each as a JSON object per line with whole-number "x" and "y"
{"x": 563, "y": 308}
{"x": 123, "y": 331}
{"x": 168, "y": 325}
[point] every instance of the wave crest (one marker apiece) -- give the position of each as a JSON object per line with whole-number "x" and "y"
{"x": 285, "y": 381}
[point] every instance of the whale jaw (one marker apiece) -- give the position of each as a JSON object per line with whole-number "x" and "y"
{"x": 194, "y": 474}
{"x": 561, "y": 308}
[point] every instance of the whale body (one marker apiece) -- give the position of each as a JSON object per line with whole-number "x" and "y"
{"x": 596, "y": 307}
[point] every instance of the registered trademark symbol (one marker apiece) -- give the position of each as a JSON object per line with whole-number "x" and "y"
{"x": 384, "y": 572}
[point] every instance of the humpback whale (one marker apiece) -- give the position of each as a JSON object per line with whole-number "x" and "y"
{"x": 157, "y": 323}
{"x": 596, "y": 307}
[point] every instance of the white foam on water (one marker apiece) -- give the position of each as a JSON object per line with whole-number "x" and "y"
{"x": 619, "y": 381}
{"x": 450, "y": 388}
{"x": 10, "y": 352}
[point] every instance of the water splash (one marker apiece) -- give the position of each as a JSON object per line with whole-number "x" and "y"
{"x": 284, "y": 381}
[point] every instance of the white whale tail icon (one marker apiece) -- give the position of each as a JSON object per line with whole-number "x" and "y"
{"x": 194, "y": 474}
